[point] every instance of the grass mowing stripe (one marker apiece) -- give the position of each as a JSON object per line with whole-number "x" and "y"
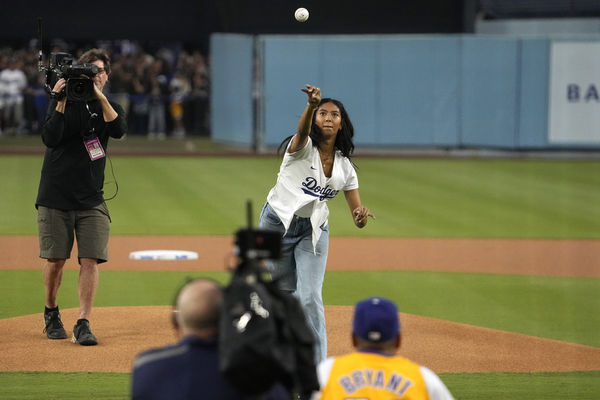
{"x": 19, "y": 182}
{"x": 411, "y": 198}
{"x": 192, "y": 196}
{"x": 578, "y": 385}
{"x": 484, "y": 198}
{"x": 552, "y": 307}
{"x": 64, "y": 385}
{"x": 116, "y": 288}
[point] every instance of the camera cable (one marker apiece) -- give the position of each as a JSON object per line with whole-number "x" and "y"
{"x": 91, "y": 131}
{"x": 112, "y": 171}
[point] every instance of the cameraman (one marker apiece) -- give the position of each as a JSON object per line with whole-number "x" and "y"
{"x": 70, "y": 196}
{"x": 190, "y": 368}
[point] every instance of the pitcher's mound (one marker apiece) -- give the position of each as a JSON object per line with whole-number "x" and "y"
{"x": 441, "y": 345}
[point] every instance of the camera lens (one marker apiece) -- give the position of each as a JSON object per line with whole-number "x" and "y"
{"x": 79, "y": 88}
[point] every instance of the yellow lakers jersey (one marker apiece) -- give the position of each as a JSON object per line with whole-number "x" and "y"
{"x": 374, "y": 376}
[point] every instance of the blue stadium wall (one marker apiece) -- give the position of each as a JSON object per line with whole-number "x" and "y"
{"x": 446, "y": 91}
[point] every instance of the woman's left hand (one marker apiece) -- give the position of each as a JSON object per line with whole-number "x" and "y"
{"x": 360, "y": 215}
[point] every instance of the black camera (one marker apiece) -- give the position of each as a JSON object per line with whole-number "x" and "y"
{"x": 257, "y": 244}
{"x": 78, "y": 77}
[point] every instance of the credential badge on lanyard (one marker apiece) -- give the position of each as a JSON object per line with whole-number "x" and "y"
{"x": 93, "y": 145}
{"x": 94, "y": 148}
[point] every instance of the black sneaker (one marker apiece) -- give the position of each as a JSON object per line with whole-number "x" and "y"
{"x": 53, "y": 325}
{"x": 82, "y": 334}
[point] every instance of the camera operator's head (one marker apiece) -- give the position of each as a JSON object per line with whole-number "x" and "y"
{"x": 197, "y": 308}
{"x": 99, "y": 58}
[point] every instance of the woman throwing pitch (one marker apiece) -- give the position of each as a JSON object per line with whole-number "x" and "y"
{"x": 315, "y": 167}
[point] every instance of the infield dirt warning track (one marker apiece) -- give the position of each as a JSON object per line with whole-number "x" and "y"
{"x": 575, "y": 258}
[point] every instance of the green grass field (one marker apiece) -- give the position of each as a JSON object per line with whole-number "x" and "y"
{"x": 410, "y": 197}
{"x": 492, "y": 386}
{"x": 515, "y": 303}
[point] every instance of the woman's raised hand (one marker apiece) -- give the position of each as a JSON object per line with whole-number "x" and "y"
{"x": 313, "y": 93}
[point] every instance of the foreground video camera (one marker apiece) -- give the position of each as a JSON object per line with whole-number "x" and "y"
{"x": 264, "y": 337}
{"x": 80, "y": 86}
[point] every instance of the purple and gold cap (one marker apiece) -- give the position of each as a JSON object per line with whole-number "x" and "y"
{"x": 376, "y": 320}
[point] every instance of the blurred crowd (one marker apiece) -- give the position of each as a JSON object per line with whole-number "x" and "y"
{"x": 163, "y": 88}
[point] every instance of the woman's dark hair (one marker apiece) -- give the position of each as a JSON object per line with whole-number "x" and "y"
{"x": 343, "y": 140}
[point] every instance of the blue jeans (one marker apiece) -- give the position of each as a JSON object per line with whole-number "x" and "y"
{"x": 301, "y": 271}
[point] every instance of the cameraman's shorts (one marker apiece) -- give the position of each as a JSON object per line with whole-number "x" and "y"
{"x": 57, "y": 229}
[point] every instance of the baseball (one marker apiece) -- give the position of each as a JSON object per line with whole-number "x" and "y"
{"x": 301, "y": 14}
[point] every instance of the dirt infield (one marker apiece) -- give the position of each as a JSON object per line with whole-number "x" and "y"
{"x": 442, "y": 345}
{"x": 577, "y": 258}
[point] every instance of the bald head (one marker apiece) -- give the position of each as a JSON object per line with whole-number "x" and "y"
{"x": 199, "y": 305}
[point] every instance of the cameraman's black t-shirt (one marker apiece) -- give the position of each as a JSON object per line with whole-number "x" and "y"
{"x": 70, "y": 180}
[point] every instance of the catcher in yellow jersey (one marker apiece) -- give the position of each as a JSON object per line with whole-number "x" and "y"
{"x": 374, "y": 371}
